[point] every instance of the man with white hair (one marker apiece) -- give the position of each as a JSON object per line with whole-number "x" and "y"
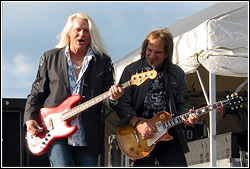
{"x": 79, "y": 65}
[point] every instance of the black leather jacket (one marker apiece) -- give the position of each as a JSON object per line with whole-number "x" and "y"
{"x": 51, "y": 87}
{"x": 134, "y": 96}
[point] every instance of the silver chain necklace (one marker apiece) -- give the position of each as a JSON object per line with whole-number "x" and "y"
{"x": 75, "y": 66}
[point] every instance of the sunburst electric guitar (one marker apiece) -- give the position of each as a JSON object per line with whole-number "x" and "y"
{"x": 56, "y": 120}
{"x": 134, "y": 146}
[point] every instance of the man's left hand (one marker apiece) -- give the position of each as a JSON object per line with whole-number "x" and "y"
{"x": 192, "y": 119}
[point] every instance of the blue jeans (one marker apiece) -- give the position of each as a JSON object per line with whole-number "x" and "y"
{"x": 63, "y": 155}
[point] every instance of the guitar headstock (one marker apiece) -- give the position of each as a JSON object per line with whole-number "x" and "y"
{"x": 140, "y": 78}
{"x": 233, "y": 100}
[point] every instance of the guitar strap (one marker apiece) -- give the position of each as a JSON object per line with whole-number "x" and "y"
{"x": 172, "y": 109}
{"x": 170, "y": 94}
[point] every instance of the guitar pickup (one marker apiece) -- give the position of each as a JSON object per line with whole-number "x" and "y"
{"x": 159, "y": 126}
{"x": 49, "y": 124}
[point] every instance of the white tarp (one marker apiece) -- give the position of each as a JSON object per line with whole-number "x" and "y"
{"x": 216, "y": 37}
{"x": 220, "y": 44}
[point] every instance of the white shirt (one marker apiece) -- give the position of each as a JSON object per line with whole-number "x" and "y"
{"x": 78, "y": 138}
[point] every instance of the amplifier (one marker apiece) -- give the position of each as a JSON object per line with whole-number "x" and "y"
{"x": 228, "y": 146}
{"x": 15, "y": 152}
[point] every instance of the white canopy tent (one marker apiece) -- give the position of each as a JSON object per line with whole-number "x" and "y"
{"x": 215, "y": 39}
{"x": 220, "y": 43}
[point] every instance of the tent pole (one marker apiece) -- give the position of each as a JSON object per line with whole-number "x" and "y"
{"x": 212, "y": 95}
{"x": 202, "y": 86}
{"x": 241, "y": 86}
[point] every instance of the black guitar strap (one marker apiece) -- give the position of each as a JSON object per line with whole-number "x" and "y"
{"x": 170, "y": 95}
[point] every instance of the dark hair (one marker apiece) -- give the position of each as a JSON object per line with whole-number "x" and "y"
{"x": 167, "y": 38}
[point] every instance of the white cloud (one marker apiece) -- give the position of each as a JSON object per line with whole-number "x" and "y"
{"x": 23, "y": 65}
{"x": 18, "y": 75}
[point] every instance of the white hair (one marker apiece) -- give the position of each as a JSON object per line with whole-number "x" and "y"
{"x": 97, "y": 44}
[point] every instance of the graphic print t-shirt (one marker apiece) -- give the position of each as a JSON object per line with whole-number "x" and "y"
{"x": 156, "y": 98}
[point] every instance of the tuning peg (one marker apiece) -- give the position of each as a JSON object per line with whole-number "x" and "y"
{"x": 147, "y": 68}
{"x": 232, "y": 108}
{"x": 241, "y": 106}
{"x": 227, "y": 96}
{"x": 237, "y": 107}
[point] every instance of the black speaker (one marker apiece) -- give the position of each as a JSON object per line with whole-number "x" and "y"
{"x": 14, "y": 148}
{"x": 12, "y": 153}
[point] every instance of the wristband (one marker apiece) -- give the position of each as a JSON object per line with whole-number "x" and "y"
{"x": 138, "y": 121}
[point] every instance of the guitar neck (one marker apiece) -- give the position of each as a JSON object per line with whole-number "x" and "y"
{"x": 201, "y": 111}
{"x": 76, "y": 110}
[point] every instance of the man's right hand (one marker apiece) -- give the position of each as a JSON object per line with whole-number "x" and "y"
{"x": 143, "y": 127}
{"x": 146, "y": 129}
{"x": 33, "y": 127}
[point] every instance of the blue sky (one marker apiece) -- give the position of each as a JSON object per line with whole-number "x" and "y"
{"x": 28, "y": 29}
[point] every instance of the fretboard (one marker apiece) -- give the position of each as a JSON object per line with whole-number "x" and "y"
{"x": 76, "y": 110}
{"x": 181, "y": 118}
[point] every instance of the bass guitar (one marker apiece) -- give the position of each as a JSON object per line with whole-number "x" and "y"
{"x": 56, "y": 120}
{"x": 134, "y": 146}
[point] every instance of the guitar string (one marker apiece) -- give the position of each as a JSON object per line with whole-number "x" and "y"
{"x": 89, "y": 103}
{"x": 206, "y": 109}
{"x": 172, "y": 122}
{"x": 181, "y": 117}
{"x": 58, "y": 120}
